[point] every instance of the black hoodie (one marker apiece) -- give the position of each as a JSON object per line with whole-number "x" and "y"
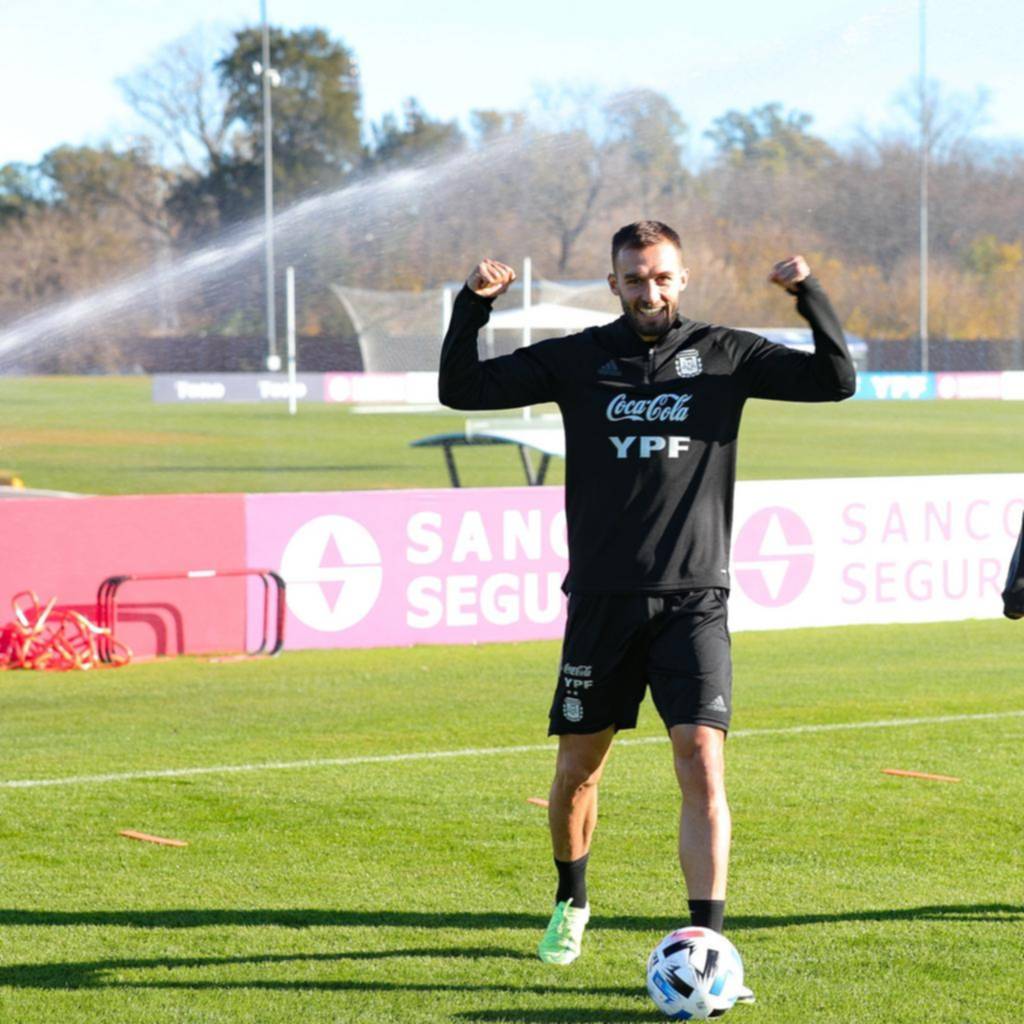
{"x": 650, "y": 430}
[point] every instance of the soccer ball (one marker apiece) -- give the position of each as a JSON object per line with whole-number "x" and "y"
{"x": 695, "y": 973}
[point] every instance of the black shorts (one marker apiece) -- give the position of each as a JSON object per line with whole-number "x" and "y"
{"x": 617, "y": 644}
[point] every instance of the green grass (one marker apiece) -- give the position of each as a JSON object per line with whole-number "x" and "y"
{"x": 415, "y": 891}
{"x": 105, "y": 436}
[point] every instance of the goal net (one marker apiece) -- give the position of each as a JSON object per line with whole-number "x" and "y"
{"x": 402, "y": 331}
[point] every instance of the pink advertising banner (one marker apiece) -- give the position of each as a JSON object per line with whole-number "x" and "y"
{"x": 394, "y": 568}
{"x": 969, "y": 385}
{"x": 872, "y": 550}
{"x": 367, "y": 569}
{"x": 383, "y": 568}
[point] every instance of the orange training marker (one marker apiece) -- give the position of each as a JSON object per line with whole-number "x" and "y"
{"x": 536, "y": 800}
{"x": 920, "y": 775}
{"x": 159, "y": 840}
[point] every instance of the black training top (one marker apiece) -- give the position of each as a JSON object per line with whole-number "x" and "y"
{"x": 650, "y": 430}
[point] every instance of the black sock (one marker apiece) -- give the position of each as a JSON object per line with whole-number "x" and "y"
{"x": 572, "y": 881}
{"x": 708, "y": 914}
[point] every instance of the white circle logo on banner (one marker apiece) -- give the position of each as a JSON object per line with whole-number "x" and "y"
{"x": 773, "y": 557}
{"x": 332, "y": 566}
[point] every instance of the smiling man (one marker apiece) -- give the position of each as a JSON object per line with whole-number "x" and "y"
{"x": 648, "y": 282}
{"x": 651, "y": 405}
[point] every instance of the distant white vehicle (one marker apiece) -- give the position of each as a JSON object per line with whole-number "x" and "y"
{"x": 801, "y": 338}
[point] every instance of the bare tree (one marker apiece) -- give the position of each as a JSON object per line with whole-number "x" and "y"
{"x": 644, "y": 134}
{"x": 946, "y": 122}
{"x": 178, "y": 95}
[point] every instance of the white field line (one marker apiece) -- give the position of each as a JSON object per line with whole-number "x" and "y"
{"x": 437, "y": 755}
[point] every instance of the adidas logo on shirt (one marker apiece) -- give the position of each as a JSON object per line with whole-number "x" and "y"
{"x": 610, "y": 369}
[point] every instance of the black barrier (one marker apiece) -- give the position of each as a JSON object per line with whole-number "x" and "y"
{"x": 106, "y": 604}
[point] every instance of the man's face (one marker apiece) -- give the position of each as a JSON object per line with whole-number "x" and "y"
{"x": 648, "y": 282}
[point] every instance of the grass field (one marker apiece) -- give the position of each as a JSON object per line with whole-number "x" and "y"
{"x": 408, "y": 881}
{"x": 360, "y": 845}
{"x": 104, "y": 436}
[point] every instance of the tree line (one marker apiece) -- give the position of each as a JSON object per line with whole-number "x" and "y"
{"x": 552, "y": 183}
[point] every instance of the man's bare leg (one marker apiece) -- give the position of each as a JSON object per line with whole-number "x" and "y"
{"x": 705, "y": 826}
{"x": 572, "y": 817}
{"x": 572, "y": 804}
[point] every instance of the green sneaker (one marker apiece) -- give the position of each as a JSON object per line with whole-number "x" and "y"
{"x": 562, "y": 941}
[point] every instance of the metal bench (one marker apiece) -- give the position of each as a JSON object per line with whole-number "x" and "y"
{"x": 544, "y": 436}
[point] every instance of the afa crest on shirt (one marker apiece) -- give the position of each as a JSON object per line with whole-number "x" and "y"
{"x": 688, "y": 363}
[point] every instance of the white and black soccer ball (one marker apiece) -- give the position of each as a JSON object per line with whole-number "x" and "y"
{"x": 695, "y": 973}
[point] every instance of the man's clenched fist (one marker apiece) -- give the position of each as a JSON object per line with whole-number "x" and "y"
{"x": 490, "y": 278}
{"x": 789, "y": 273}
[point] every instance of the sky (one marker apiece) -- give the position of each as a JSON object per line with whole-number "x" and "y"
{"x": 843, "y": 61}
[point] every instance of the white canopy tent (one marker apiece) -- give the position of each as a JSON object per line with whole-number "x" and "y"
{"x": 542, "y": 316}
{"x": 545, "y": 316}
{"x": 549, "y": 316}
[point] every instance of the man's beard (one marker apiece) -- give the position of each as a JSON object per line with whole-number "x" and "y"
{"x": 650, "y": 326}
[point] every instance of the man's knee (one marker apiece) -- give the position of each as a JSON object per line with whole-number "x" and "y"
{"x": 580, "y": 762}
{"x": 572, "y": 774}
{"x": 699, "y": 755}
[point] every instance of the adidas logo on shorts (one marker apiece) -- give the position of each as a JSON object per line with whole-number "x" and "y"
{"x": 718, "y": 704}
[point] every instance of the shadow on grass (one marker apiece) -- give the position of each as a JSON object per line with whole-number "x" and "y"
{"x": 253, "y": 972}
{"x": 560, "y": 1015}
{"x": 349, "y": 467}
{"x": 284, "y": 918}
{"x": 103, "y": 974}
{"x": 480, "y": 920}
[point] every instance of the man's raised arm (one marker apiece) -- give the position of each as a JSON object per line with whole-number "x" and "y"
{"x": 464, "y": 382}
{"x": 827, "y": 375}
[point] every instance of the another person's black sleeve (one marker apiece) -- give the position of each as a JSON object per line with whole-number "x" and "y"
{"x": 1013, "y": 595}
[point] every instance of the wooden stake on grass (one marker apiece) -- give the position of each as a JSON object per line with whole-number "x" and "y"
{"x": 919, "y": 775}
{"x": 129, "y": 833}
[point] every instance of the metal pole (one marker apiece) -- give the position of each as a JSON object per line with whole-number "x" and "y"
{"x": 527, "y": 300}
{"x": 273, "y": 359}
{"x": 527, "y": 314}
{"x": 289, "y": 291}
{"x": 446, "y": 310}
{"x": 925, "y": 128}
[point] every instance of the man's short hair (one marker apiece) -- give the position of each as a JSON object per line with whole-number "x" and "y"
{"x": 641, "y": 234}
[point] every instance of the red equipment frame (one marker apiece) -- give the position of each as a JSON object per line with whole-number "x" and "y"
{"x": 106, "y": 604}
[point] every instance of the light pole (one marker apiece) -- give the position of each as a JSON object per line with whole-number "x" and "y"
{"x": 269, "y": 78}
{"x": 924, "y": 113}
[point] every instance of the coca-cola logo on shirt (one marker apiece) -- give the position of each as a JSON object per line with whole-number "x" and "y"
{"x": 666, "y": 408}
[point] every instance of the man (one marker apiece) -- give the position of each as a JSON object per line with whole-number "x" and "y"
{"x": 651, "y": 405}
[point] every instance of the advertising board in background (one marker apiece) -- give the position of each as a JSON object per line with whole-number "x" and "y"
{"x": 475, "y": 565}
